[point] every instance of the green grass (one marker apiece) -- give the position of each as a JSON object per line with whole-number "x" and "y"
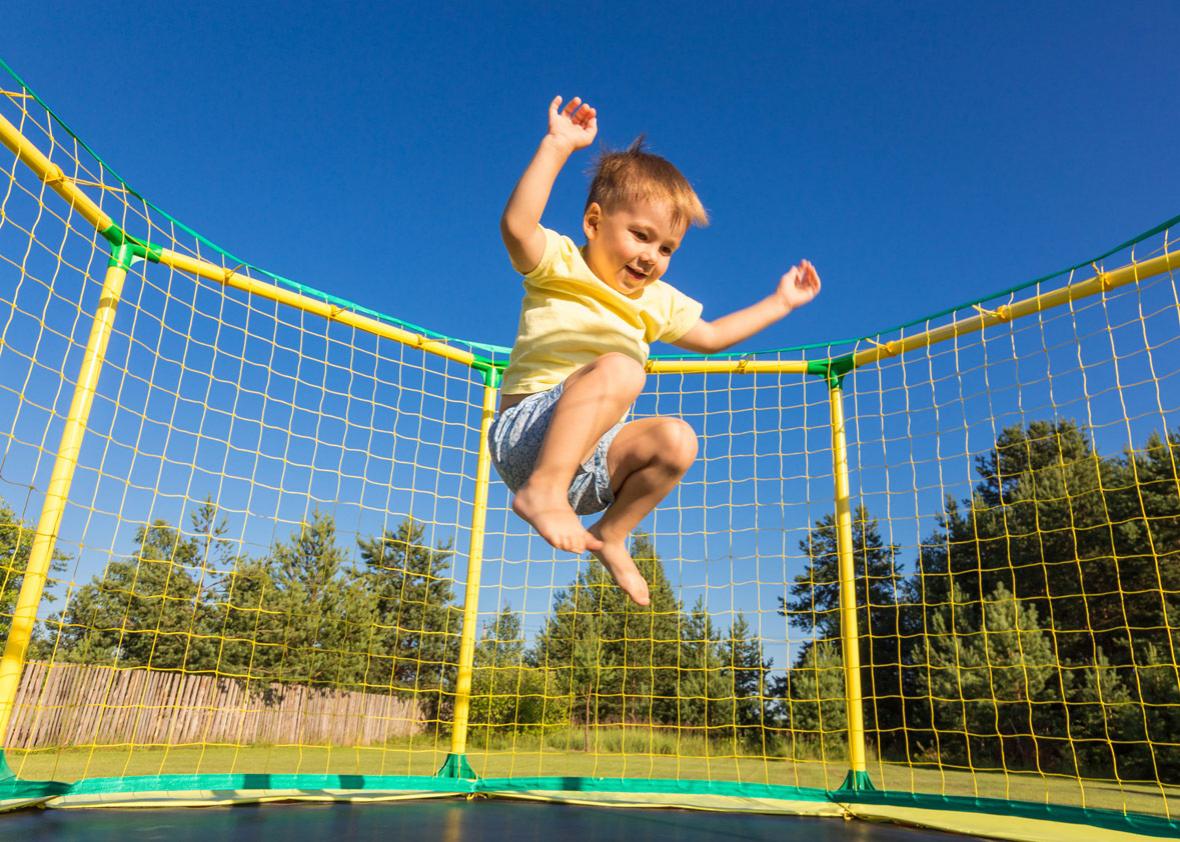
{"x": 610, "y": 752}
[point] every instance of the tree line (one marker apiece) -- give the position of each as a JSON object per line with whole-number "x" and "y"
{"x": 1036, "y": 630}
{"x": 1039, "y": 627}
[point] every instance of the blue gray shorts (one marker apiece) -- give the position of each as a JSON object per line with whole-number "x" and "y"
{"x": 515, "y": 440}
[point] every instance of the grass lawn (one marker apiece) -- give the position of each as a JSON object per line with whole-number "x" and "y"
{"x": 530, "y": 758}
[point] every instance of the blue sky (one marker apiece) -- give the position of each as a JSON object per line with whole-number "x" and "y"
{"x": 920, "y": 155}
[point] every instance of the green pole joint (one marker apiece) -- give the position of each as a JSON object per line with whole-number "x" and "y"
{"x": 857, "y": 782}
{"x": 456, "y": 766}
{"x": 125, "y": 249}
{"x": 833, "y": 370}
{"x": 492, "y": 372}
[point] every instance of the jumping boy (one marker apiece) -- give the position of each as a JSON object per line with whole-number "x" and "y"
{"x": 586, "y": 323}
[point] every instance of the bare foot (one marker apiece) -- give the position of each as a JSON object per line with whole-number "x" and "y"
{"x": 550, "y": 514}
{"x": 618, "y": 562}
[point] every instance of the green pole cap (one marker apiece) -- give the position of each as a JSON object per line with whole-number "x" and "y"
{"x": 125, "y": 249}
{"x": 857, "y": 782}
{"x": 833, "y": 370}
{"x": 493, "y": 373}
{"x": 456, "y": 766}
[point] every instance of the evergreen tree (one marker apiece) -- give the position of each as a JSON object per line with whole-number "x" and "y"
{"x": 741, "y": 653}
{"x": 1091, "y": 546}
{"x": 705, "y": 695}
{"x": 149, "y": 609}
{"x": 507, "y": 692}
{"x": 325, "y": 611}
{"x": 1103, "y": 723}
{"x": 416, "y": 640}
{"x": 1157, "y": 679}
{"x": 813, "y": 714}
{"x": 617, "y": 660}
{"x": 502, "y": 640}
{"x": 993, "y": 683}
{"x": 16, "y": 541}
{"x": 1093, "y": 542}
{"x": 248, "y": 622}
{"x": 814, "y": 604}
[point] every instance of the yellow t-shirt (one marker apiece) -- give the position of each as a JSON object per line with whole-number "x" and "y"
{"x": 570, "y": 317}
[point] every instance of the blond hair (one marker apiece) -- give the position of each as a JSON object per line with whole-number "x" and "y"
{"x": 635, "y": 174}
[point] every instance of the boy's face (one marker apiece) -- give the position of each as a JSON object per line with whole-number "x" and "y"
{"x": 630, "y": 246}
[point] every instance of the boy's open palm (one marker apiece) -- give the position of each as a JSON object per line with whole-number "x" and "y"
{"x": 799, "y": 285}
{"x": 576, "y": 124}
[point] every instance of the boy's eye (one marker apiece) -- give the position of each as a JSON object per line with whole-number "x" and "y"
{"x": 666, "y": 251}
{"x": 639, "y": 235}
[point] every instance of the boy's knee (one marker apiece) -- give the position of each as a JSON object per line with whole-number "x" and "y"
{"x": 624, "y": 372}
{"x": 678, "y": 444}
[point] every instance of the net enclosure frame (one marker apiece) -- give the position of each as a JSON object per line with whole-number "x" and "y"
{"x": 92, "y": 206}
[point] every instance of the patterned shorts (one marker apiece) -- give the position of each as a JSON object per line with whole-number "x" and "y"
{"x": 515, "y": 440}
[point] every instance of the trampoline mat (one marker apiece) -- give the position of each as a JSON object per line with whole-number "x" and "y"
{"x": 449, "y": 820}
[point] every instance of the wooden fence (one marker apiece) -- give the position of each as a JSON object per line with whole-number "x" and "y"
{"x": 84, "y": 705}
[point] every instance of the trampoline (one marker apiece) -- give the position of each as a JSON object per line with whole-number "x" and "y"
{"x": 444, "y": 820}
{"x": 917, "y": 584}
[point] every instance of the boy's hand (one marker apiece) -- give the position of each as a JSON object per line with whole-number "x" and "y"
{"x": 799, "y": 285}
{"x": 576, "y": 124}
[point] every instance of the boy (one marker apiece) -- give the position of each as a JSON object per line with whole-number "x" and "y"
{"x": 586, "y": 323}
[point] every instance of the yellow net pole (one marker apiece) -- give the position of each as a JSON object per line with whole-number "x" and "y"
{"x": 850, "y": 637}
{"x": 456, "y": 765}
{"x": 24, "y": 615}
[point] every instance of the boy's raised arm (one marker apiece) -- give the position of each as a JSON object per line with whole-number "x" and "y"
{"x": 797, "y": 287}
{"x": 571, "y": 128}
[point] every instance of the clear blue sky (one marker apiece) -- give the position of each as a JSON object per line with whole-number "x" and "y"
{"x": 920, "y": 154}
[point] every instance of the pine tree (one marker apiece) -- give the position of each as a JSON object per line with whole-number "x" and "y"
{"x": 617, "y": 660}
{"x": 993, "y": 682}
{"x": 1091, "y": 544}
{"x": 506, "y": 692}
{"x": 705, "y": 696}
{"x": 149, "y": 609}
{"x": 1158, "y": 681}
{"x": 1086, "y": 538}
{"x": 502, "y": 640}
{"x": 325, "y": 611}
{"x": 416, "y": 640}
{"x": 16, "y": 541}
{"x": 812, "y": 713}
{"x": 814, "y": 603}
{"x": 742, "y": 656}
{"x": 248, "y": 621}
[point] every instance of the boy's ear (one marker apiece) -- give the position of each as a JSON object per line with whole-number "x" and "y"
{"x": 591, "y": 220}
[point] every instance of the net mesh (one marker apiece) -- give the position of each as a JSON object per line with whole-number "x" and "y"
{"x": 261, "y": 563}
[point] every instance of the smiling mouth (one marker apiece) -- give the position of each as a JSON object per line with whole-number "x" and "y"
{"x": 635, "y": 273}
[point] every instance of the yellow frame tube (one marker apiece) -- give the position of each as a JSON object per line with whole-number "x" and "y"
{"x": 849, "y": 634}
{"x": 479, "y": 515}
{"x": 52, "y": 175}
{"x": 24, "y": 614}
{"x": 738, "y": 366}
{"x": 1103, "y": 281}
{"x": 332, "y": 312}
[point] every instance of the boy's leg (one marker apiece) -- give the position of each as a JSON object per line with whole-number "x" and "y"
{"x": 646, "y": 460}
{"x": 592, "y": 400}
